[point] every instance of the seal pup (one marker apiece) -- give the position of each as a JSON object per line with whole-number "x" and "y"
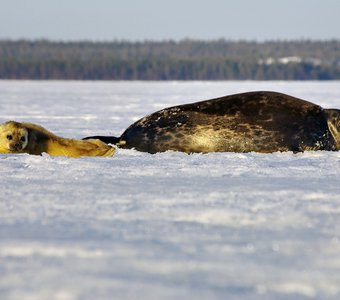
{"x": 255, "y": 121}
{"x": 30, "y": 138}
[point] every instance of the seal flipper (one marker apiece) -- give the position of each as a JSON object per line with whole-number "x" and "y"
{"x": 333, "y": 122}
{"x": 106, "y": 139}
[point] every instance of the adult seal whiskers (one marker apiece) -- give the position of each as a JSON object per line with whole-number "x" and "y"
{"x": 255, "y": 121}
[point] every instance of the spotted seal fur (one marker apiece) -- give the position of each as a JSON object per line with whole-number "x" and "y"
{"x": 254, "y": 121}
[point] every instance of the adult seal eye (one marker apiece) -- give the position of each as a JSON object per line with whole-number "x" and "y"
{"x": 9, "y": 137}
{"x": 23, "y": 139}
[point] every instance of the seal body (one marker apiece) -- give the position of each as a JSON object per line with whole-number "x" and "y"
{"x": 30, "y": 138}
{"x": 255, "y": 121}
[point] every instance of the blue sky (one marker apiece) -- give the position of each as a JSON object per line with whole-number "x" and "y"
{"x": 104, "y": 20}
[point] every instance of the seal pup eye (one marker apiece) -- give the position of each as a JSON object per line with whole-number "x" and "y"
{"x": 23, "y": 139}
{"x": 9, "y": 137}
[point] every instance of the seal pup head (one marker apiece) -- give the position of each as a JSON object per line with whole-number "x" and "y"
{"x": 13, "y": 137}
{"x": 333, "y": 122}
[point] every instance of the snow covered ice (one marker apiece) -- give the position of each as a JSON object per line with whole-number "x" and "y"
{"x": 169, "y": 225}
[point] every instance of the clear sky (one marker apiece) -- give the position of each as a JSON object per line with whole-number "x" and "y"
{"x": 105, "y": 20}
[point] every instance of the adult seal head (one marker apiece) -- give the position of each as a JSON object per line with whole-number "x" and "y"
{"x": 255, "y": 121}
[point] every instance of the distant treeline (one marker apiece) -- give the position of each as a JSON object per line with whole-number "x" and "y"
{"x": 171, "y": 60}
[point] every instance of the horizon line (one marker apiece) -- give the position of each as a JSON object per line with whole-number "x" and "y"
{"x": 170, "y": 40}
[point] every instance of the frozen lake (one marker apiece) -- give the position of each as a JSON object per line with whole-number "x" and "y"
{"x": 164, "y": 226}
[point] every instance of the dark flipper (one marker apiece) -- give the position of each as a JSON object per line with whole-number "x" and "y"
{"x": 106, "y": 139}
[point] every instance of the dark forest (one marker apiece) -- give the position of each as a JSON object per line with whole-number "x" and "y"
{"x": 171, "y": 60}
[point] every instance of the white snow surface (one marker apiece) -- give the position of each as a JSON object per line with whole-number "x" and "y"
{"x": 169, "y": 225}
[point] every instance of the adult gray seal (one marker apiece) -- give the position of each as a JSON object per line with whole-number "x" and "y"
{"x": 254, "y": 121}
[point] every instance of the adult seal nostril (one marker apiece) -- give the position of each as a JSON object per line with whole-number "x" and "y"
{"x": 254, "y": 121}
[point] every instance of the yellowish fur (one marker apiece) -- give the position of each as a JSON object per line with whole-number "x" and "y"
{"x": 334, "y": 128}
{"x": 30, "y": 138}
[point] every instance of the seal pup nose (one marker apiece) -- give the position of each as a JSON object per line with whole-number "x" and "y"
{"x": 15, "y": 147}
